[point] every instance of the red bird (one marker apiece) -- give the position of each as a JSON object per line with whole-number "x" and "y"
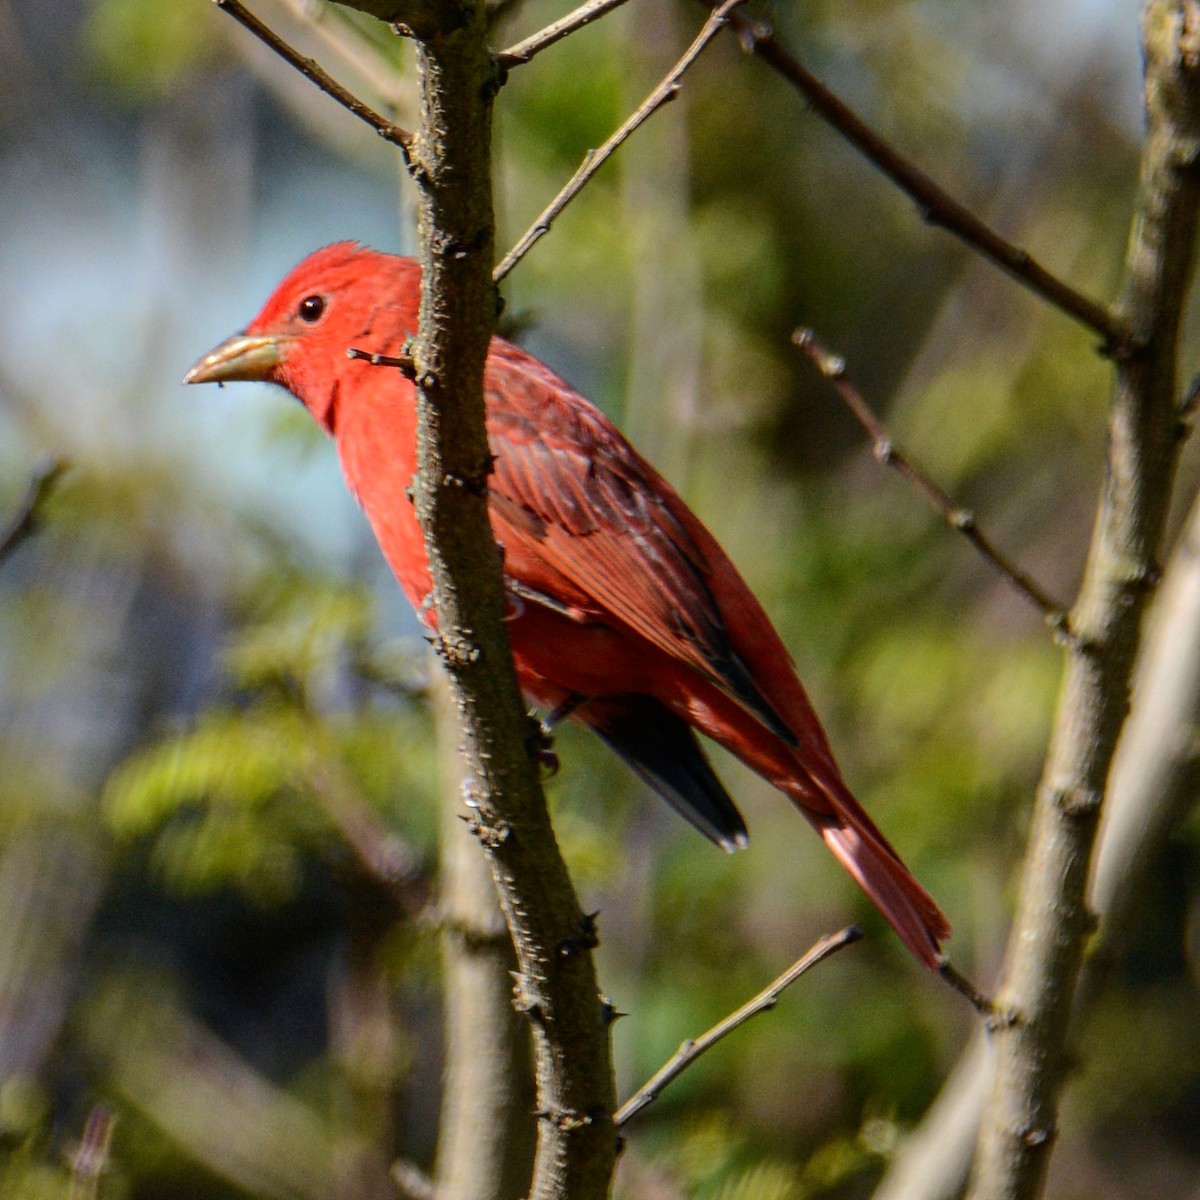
{"x": 628, "y": 616}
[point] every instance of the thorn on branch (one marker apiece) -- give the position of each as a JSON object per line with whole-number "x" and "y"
{"x": 609, "y": 1013}
{"x": 475, "y": 481}
{"x": 1077, "y": 803}
{"x": 457, "y": 651}
{"x": 588, "y": 937}
{"x": 522, "y": 1001}
{"x": 539, "y": 745}
{"x": 568, "y": 1120}
{"x": 1003, "y": 1016}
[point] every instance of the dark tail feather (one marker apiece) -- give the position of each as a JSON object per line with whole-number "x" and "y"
{"x": 662, "y": 749}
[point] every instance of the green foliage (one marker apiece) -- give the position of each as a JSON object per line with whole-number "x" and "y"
{"x": 934, "y": 681}
{"x": 143, "y": 48}
{"x": 240, "y": 797}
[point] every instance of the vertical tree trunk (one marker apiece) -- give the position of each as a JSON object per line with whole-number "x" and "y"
{"x": 485, "y": 1139}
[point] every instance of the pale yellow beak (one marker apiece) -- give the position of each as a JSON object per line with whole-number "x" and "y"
{"x": 241, "y": 357}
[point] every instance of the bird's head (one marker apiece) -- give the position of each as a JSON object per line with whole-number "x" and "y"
{"x": 341, "y": 297}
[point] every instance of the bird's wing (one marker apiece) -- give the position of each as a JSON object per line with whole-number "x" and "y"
{"x": 569, "y": 493}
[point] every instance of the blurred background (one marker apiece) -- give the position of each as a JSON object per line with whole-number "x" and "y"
{"x": 215, "y": 704}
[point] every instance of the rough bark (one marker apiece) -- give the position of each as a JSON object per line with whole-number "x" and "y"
{"x": 485, "y": 1137}
{"x": 1052, "y": 921}
{"x": 556, "y": 985}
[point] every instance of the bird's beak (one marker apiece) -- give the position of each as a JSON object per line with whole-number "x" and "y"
{"x": 243, "y": 356}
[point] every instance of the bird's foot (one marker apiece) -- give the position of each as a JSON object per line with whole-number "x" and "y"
{"x": 540, "y": 746}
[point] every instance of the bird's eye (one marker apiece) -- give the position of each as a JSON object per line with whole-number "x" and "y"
{"x": 311, "y": 309}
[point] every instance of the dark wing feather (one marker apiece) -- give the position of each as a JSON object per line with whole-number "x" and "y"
{"x": 573, "y": 492}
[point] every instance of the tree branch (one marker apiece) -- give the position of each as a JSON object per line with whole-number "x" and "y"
{"x": 1155, "y": 780}
{"x": 961, "y": 519}
{"x": 350, "y": 43}
{"x": 1156, "y": 775}
{"x": 935, "y": 204}
{"x": 315, "y": 73}
{"x": 1052, "y": 922}
{"x": 576, "y": 1142}
{"x": 690, "y": 1050}
{"x": 25, "y": 521}
{"x": 485, "y": 1132}
{"x": 595, "y": 159}
{"x": 524, "y": 50}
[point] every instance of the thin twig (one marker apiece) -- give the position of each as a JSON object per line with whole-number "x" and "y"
{"x": 936, "y": 206}
{"x": 353, "y": 46}
{"x": 585, "y": 14}
{"x": 28, "y": 515}
{"x": 402, "y": 362}
{"x": 961, "y": 519}
{"x": 315, "y": 73}
{"x": 964, "y": 987}
{"x": 595, "y": 159}
{"x": 689, "y": 1051}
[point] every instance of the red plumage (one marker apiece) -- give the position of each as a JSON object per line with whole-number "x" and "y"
{"x": 624, "y": 605}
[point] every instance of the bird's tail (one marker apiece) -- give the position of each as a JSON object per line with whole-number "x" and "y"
{"x": 805, "y": 771}
{"x": 867, "y": 855}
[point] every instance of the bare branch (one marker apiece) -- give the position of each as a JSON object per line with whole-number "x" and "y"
{"x": 556, "y": 980}
{"x": 351, "y": 44}
{"x": 26, "y": 519}
{"x": 960, "y": 519}
{"x": 401, "y": 362}
{"x": 964, "y": 987}
{"x": 934, "y": 203}
{"x": 485, "y": 1126}
{"x": 1052, "y": 922}
{"x": 1156, "y": 773}
{"x": 585, "y": 14}
{"x": 689, "y": 1051}
{"x": 315, "y": 73}
{"x": 1155, "y": 780}
{"x": 595, "y": 159}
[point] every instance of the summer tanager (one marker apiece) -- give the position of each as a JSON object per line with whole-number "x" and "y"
{"x": 625, "y": 613}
